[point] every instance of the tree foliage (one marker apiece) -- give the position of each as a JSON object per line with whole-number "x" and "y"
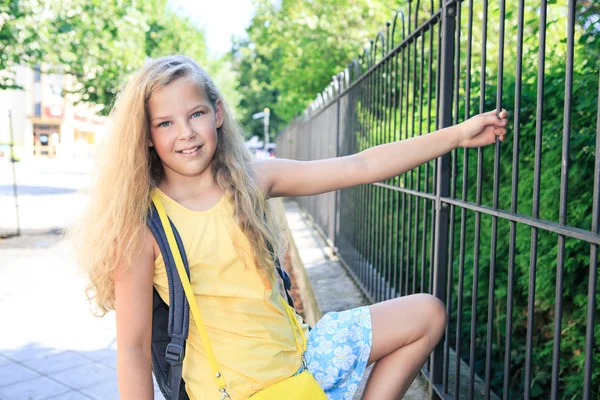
{"x": 18, "y": 39}
{"x": 99, "y": 43}
{"x": 294, "y": 48}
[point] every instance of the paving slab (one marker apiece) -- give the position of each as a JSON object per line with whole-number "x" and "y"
{"x": 38, "y": 388}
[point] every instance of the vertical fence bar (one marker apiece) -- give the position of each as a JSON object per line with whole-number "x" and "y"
{"x": 365, "y": 83}
{"x": 449, "y": 284}
{"x": 366, "y": 188}
{"x": 389, "y": 232}
{"x": 402, "y": 179}
{"x": 434, "y": 162}
{"x": 514, "y": 203}
{"x": 428, "y": 166}
{"x": 345, "y": 195}
{"x": 337, "y": 194}
{"x": 397, "y": 127}
{"x": 536, "y": 200}
{"x": 374, "y": 207}
{"x": 411, "y": 268}
{"x": 371, "y": 197}
{"x": 385, "y": 242}
{"x": 362, "y": 239}
{"x": 376, "y": 189}
{"x": 406, "y": 240}
{"x": 591, "y": 306}
{"x": 417, "y": 202}
{"x": 340, "y": 237}
{"x": 463, "y": 212}
{"x": 394, "y": 237}
{"x": 414, "y": 184}
{"x": 367, "y": 194}
{"x": 564, "y": 191}
{"x": 424, "y": 119}
{"x": 435, "y": 169}
{"x": 492, "y": 274}
{"x": 478, "y": 214}
{"x": 437, "y": 126}
{"x": 382, "y": 191}
{"x": 354, "y": 200}
{"x": 443, "y": 177}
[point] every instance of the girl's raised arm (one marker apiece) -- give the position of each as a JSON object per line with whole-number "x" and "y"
{"x": 281, "y": 177}
{"x": 133, "y": 306}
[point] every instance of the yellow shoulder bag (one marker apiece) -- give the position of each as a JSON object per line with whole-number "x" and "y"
{"x": 299, "y": 387}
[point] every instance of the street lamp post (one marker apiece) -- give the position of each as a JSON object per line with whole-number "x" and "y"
{"x": 266, "y": 129}
{"x": 13, "y": 160}
{"x": 265, "y": 115}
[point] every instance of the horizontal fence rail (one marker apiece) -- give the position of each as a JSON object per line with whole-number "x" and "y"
{"x": 506, "y": 236}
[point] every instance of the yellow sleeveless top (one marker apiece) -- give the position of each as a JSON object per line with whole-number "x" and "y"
{"x": 245, "y": 321}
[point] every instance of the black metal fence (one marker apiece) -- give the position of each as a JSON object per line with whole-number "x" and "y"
{"x": 510, "y": 244}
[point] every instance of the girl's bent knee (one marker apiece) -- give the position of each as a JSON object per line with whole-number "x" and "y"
{"x": 436, "y": 313}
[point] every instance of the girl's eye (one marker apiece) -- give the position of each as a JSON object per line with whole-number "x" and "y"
{"x": 197, "y": 114}
{"x": 164, "y": 124}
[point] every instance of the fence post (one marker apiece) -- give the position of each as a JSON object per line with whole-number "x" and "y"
{"x": 336, "y": 205}
{"x": 446, "y": 64}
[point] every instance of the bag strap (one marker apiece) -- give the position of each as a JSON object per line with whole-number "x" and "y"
{"x": 214, "y": 364}
{"x": 179, "y": 312}
{"x": 287, "y": 283}
{"x": 285, "y": 278}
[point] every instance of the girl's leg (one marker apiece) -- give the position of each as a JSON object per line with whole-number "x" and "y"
{"x": 405, "y": 331}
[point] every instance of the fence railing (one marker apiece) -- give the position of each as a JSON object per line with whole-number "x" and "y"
{"x": 519, "y": 278}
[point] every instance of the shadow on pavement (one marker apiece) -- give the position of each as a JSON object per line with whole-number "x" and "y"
{"x": 8, "y": 190}
{"x": 31, "y": 239}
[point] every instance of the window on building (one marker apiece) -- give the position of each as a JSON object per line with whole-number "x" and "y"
{"x": 37, "y": 110}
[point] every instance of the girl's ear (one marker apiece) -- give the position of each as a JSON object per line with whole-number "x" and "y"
{"x": 219, "y": 114}
{"x": 150, "y": 144}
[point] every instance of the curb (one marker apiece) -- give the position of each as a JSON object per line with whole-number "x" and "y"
{"x": 310, "y": 304}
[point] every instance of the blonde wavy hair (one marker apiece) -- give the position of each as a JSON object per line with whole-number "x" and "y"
{"x": 113, "y": 226}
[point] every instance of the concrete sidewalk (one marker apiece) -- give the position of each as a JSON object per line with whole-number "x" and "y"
{"x": 52, "y": 347}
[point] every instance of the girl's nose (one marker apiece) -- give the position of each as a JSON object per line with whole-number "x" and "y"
{"x": 186, "y": 131}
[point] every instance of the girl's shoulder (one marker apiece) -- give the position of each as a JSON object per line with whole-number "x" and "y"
{"x": 141, "y": 259}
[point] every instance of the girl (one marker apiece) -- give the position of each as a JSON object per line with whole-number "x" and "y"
{"x": 173, "y": 136}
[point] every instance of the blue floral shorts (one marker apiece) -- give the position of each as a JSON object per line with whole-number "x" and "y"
{"x": 338, "y": 350}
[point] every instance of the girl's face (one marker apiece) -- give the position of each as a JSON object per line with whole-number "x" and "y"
{"x": 183, "y": 128}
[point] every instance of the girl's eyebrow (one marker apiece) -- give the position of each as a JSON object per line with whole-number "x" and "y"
{"x": 190, "y": 110}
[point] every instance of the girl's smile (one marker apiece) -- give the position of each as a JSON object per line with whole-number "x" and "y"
{"x": 190, "y": 151}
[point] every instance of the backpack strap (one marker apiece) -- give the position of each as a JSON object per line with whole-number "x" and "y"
{"x": 179, "y": 309}
{"x": 287, "y": 283}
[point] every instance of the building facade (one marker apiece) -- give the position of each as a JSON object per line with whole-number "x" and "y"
{"x": 41, "y": 121}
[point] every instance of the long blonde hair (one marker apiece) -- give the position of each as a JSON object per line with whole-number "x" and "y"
{"x": 113, "y": 226}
